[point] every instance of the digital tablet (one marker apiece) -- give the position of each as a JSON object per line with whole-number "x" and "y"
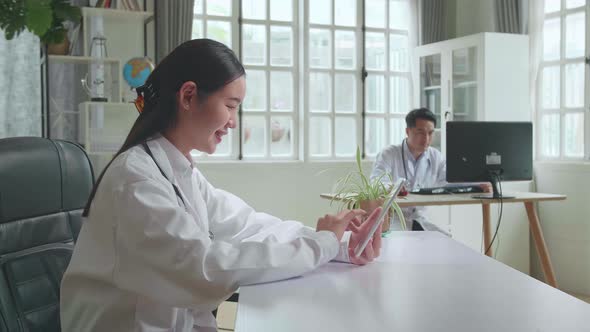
{"x": 397, "y": 186}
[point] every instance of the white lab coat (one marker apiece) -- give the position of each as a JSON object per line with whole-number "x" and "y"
{"x": 429, "y": 170}
{"x": 145, "y": 262}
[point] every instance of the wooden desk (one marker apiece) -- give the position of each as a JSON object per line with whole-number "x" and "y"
{"x": 423, "y": 281}
{"x": 465, "y": 199}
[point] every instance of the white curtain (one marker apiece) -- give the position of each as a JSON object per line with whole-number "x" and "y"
{"x": 535, "y": 28}
{"x": 174, "y": 25}
{"x": 433, "y": 21}
{"x": 20, "y": 86}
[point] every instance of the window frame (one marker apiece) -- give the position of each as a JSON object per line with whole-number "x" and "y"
{"x": 267, "y": 68}
{"x": 301, "y": 115}
{"x": 561, "y": 63}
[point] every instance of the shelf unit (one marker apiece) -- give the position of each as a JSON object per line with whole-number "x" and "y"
{"x": 100, "y": 127}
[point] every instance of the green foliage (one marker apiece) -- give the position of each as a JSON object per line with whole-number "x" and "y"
{"x": 355, "y": 187}
{"x": 44, "y": 18}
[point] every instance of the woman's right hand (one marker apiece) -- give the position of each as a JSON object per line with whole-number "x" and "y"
{"x": 339, "y": 223}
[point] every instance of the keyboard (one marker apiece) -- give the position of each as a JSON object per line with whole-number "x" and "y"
{"x": 447, "y": 190}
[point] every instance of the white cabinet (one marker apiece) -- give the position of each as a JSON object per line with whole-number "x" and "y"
{"x": 482, "y": 77}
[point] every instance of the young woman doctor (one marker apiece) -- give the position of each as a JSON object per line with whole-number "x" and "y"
{"x": 161, "y": 247}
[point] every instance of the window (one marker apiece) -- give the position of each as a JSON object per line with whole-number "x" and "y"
{"x": 350, "y": 78}
{"x": 387, "y": 65}
{"x": 562, "y": 115}
{"x": 333, "y": 29}
{"x": 269, "y": 49}
{"x": 218, "y": 20}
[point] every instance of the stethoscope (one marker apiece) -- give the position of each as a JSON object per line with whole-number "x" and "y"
{"x": 404, "y": 158}
{"x": 176, "y": 190}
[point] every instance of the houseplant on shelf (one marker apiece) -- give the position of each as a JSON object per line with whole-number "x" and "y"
{"x": 44, "y": 18}
{"x": 356, "y": 191}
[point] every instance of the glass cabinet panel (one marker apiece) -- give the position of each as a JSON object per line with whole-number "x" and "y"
{"x": 430, "y": 87}
{"x": 465, "y": 84}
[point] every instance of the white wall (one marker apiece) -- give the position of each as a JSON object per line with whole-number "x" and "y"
{"x": 566, "y": 224}
{"x": 289, "y": 190}
{"x": 467, "y": 17}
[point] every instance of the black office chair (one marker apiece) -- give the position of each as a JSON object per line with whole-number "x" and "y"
{"x": 44, "y": 185}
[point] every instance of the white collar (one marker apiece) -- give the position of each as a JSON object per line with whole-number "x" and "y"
{"x": 406, "y": 149}
{"x": 179, "y": 165}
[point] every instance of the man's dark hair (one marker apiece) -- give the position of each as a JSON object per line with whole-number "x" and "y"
{"x": 419, "y": 113}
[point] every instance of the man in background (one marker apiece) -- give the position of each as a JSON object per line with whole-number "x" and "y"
{"x": 415, "y": 160}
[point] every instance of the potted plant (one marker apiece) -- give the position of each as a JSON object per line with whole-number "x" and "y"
{"x": 44, "y": 18}
{"x": 357, "y": 191}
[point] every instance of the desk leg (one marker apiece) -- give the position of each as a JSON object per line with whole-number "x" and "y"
{"x": 540, "y": 244}
{"x": 487, "y": 228}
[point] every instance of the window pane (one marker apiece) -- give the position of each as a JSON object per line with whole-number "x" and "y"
{"x": 320, "y": 136}
{"x": 551, "y": 90}
{"x": 398, "y": 53}
{"x": 281, "y": 10}
{"x": 375, "y": 93}
{"x": 399, "y": 14}
{"x": 281, "y": 46}
{"x": 320, "y": 11}
{"x": 399, "y": 88}
{"x": 256, "y": 85}
{"x": 254, "y": 137}
{"x": 320, "y": 51}
{"x": 552, "y": 5}
{"x": 345, "y": 86}
{"x": 375, "y": 13}
{"x": 375, "y": 51}
{"x": 574, "y": 85}
{"x": 550, "y": 135}
{"x": 319, "y": 92}
{"x": 374, "y": 135}
{"x": 397, "y": 130}
{"x": 551, "y": 38}
{"x": 281, "y": 129}
{"x": 254, "y": 9}
{"x": 219, "y": 7}
{"x": 281, "y": 91}
{"x": 575, "y": 37}
{"x": 345, "y": 136}
{"x": 254, "y": 40}
{"x": 574, "y": 3}
{"x": 345, "y": 12}
{"x": 197, "y": 29}
{"x": 198, "y": 7}
{"x": 224, "y": 148}
{"x": 220, "y": 31}
{"x": 574, "y": 135}
{"x": 345, "y": 49}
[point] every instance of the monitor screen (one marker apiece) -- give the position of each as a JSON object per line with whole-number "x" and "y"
{"x": 476, "y": 149}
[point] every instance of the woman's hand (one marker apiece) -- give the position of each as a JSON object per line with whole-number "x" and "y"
{"x": 340, "y": 222}
{"x": 359, "y": 233}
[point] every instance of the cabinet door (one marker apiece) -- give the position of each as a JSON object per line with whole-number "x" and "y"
{"x": 430, "y": 90}
{"x": 465, "y": 87}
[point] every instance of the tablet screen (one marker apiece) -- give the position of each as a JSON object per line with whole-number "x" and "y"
{"x": 394, "y": 192}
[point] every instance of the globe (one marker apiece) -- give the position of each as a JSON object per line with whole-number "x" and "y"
{"x": 137, "y": 70}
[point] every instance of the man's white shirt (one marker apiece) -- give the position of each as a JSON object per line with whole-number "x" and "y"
{"x": 428, "y": 170}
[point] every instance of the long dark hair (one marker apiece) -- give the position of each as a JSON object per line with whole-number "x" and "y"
{"x": 210, "y": 64}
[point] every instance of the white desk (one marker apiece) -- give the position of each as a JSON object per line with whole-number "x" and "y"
{"x": 423, "y": 281}
{"x": 529, "y": 199}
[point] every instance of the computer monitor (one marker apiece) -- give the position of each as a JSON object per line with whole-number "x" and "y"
{"x": 489, "y": 151}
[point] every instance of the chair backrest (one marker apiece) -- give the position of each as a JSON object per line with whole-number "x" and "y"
{"x": 44, "y": 185}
